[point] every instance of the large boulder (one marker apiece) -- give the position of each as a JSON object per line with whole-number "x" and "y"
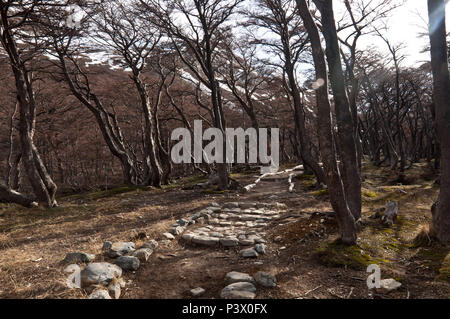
{"x": 99, "y": 274}
{"x": 239, "y": 290}
{"x": 120, "y": 248}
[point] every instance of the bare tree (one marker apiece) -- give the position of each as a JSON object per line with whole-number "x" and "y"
{"x": 351, "y": 174}
{"x": 197, "y": 42}
{"x": 20, "y": 40}
{"x": 327, "y": 146}
{"x": 281, "y": 18}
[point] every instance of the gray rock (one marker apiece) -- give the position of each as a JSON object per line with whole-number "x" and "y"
{"x": 152, "y": 244}
{"x": 235, "y": 276}
{"x": 99, "y": 273}
{"x": 246, "y": 242}
{"x": 168, "y": 236}
{"x": 99, "y": 294}
{"x": 119, "y": 249}
{"x": 247, "y": 205}
{"x": 231, "y": 205}
{"x": 143, "y": 254}
{"x": 197, "y": 292}
{"x": 266, "y": 280}
{"x": 205, "y": 240}
{"x": 114, "y": 289}
{"x": 260, "y": 248}
{"x": 187, "y": 237}
{"x": 183, "y": 222}
{"x": 229, "y": 242}
{"x": 214, "y": 209}
{"x": 176, "y": 230}
{"x": 249, "y": 253}
{"x": 128, "y": 263}
{"x": 239, "y": 290}
{"x": 214, "y": 204}
{"x": 75, "y": 258}
{"x": 388, "y": 285}
{"x": 106, "y": 246}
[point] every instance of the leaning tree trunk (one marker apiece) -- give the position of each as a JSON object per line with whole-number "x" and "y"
{"x": 441, "y": 96}
{"x": 336, "y": 191}
{"x": 9, "y": 195}
{"x": 346, "y": 133}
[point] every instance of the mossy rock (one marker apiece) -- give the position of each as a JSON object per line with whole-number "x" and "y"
{"x": 337, "y": 254}
{"x": 444, "y": 271}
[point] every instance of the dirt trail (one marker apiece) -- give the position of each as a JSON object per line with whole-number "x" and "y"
{"x": 176, "y": 268}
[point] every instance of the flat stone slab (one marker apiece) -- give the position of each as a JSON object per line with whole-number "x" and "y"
{"x": 229, "y": 242}
{"x": 249, "y": 253}
{"x": 239, "y": 290}
{"x": 235, "y": 276}
{"x": 205, "y": 241}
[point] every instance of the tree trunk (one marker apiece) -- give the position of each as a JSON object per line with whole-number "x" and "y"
{"x": 346, "y": 133}
{"x": 336, "y": 191}
{"x": 441, "y": 96}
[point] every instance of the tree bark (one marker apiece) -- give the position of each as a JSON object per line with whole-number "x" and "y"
{"x": 336, "y": 191}
{"x": 441, "y": 96}
{"x": 346, "y": 138}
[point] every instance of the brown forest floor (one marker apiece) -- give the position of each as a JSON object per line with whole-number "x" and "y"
{"x": 33, "y": 242}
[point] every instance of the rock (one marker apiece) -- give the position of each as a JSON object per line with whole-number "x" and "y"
{"x": 75, "y": 258}
{"x": 205, "y": 240}
{"x": 216, "y": 234}
{"x": 235, "y": 276}
{"x": 106, "y": 246}
{"x": 99, "y": 294}
{"x": 197, "y": 292}
{"x": 128, "y": 263}
{"x": 152, "y": 244}
{"x": 249, "y": 253}
{"x": 99, "y": 273}
{"x": 187, "y": 237}
{"x": 390, "y": 214}
{"x": 114, "y": 289}
{"x": 260, "y": 248}
{"x": 247, "y": 205}
{"x": 266, "y": 280}
{"x": 277, "y": 239}
{"x": 176, "y": 230}
{"x": 119, "y": 249}
{"x": 229, "y": 242}
{"x": 246, "y": 242}
{"x": 388, "y": 285}
{"x": 239, "y": 290}
{"x": 183, "y": 222}
{"x": 138, "y": 235}
{"x": 143, "y": 254}
{"x": 168, "y": 236}
{"x": 214, "y": 204}
{"x": 231, "y": 205}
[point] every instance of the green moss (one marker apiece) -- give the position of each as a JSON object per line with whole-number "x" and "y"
{"x": 369, "y": 194}
{"x": 444, "y": 271}
{"x": 340, "y": 255}
{"x": 320, "y": 192}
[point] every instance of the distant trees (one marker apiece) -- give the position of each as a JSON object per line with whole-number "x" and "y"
{"x": 441, "y": 97}
{"x": 198, "y": 42}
